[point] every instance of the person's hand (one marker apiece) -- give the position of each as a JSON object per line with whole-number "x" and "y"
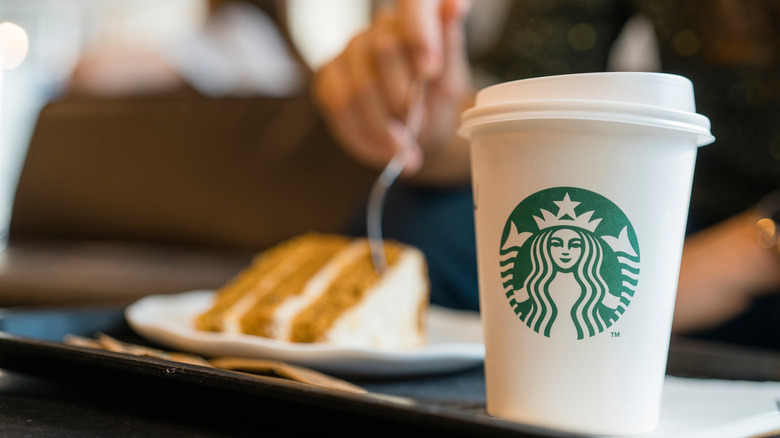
{"x": 723, "y": 270}
{"x": 363, "y": 91}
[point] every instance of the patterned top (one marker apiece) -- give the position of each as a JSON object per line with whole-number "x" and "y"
{"x": 727, "y": 48}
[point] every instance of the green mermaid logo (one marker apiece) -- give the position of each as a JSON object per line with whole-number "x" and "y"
{"x": 569, "y": 274}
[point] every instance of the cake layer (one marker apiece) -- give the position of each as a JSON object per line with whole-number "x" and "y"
{"x": 324, "y": 288}
{"x": 347, "y": 289}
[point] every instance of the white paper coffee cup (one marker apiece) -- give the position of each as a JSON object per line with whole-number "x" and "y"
{"x": 581, "y": 191}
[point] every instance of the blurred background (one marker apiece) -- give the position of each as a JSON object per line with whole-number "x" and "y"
{"x": 154, "y": 146}
{"x": 125, "y": 48}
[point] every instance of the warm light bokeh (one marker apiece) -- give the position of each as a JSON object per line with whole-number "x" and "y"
{"x": 13, "y": 45}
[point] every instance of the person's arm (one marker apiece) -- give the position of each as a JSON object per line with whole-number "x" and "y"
{"x": 723, "y": 269}
{"x": 363, "y": 91}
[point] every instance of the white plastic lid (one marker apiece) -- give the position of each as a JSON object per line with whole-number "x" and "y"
{"x": 650, "y": 99}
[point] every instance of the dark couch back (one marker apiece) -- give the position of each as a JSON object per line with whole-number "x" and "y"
{"x": 241, "y": 173}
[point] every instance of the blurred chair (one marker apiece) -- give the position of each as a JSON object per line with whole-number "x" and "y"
{"x": 118, "y": 199}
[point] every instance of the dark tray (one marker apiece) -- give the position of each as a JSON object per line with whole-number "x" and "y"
{"x": 30, "y": 343}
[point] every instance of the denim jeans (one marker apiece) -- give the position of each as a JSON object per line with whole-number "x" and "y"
{"x": 439, "y": 222}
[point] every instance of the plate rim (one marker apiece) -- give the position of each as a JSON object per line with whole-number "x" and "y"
{"x": 427, "y": 359}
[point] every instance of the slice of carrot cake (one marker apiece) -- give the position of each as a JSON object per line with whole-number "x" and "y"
{"x": 324, "y": 288}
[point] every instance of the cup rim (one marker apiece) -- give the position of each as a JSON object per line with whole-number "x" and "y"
{"x": 476, "y": 118}
{"x": 659, "y": 100}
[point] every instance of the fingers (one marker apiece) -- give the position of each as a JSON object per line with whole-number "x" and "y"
{"x": 351, "y": 95}
{"x": 456, "y": 62}
{"x": 424, "y": 28}
{"x": 421, "y": 29}
{"x": 353, "y": 113}
{"x": 364, "y": 91}
{"x": 363, "y": 94}
{"x": 366, "y": 95}
{"x": 393, "y": 68}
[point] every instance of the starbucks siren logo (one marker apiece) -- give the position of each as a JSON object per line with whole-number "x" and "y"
{"x": 572, "y": 273}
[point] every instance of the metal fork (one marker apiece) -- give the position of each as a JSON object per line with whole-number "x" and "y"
{"x": 416, "y": 100}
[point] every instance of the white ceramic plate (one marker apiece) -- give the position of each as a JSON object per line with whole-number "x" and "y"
{"x": 454, "y": 341}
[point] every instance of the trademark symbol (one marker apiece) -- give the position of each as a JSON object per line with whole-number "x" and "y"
{"x": 615, "y": 334}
